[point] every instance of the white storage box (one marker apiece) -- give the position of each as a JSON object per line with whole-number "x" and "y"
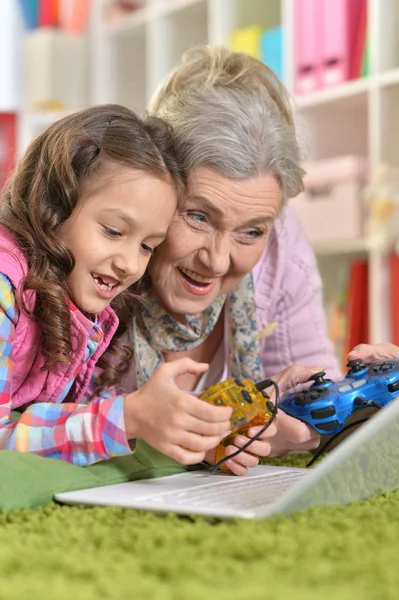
{"x": 332, "y": 207}
{"x": 54, "y": 70}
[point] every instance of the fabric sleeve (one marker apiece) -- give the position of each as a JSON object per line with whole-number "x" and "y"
{"x": 301, "y": 332}
{"x": 77, "y": 433}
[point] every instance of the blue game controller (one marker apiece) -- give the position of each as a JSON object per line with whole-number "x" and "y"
{"x": 326, "y": 405}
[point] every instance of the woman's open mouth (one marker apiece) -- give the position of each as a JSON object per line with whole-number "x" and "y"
{"x": 195, "y": 283}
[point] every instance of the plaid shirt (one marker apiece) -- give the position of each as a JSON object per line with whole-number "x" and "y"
{"x": 81, "y": 433}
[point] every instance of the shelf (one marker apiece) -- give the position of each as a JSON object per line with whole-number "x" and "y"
{"x": 176, "y": 6}
{"x": 130, "y": 23}
{"x": 348, "y": 90}
{"x": 140, "y": 17}
{"x": 342, "y": 247}
{"x": 380, "y": 242}
{"x": 129, "y": 58}
{"x": 389, "y": 78}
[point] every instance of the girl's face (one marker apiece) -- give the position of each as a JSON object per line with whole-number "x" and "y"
{"x": 217, "y": 239}
{"x": 113, "y": 232}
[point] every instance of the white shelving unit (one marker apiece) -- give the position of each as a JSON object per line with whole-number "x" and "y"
{"x": 359, "y": 117}
{"x": 128, "y": 60}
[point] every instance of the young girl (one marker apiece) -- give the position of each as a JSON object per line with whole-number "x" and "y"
{"x": 88, "y": 204}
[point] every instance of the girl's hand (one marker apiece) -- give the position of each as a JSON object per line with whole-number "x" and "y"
{"x": 284, "y": 435}
{"x": 174, "y": 422}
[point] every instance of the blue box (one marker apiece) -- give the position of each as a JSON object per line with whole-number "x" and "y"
{"x": 271, "y": 50}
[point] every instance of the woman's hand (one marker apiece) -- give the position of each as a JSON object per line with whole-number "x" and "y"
{"x": 172, "y": 421}
{"x": 284, "y": 435}
{"x": 369, "y": 353}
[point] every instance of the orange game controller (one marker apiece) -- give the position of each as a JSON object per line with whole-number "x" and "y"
{"x": 251, "y": 407}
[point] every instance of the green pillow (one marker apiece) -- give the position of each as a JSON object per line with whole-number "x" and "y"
{"x": 28, "y": 480}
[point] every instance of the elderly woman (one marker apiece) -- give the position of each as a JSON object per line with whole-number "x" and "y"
{"x": 235, "y": 284}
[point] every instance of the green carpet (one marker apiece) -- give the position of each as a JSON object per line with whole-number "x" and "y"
{"x": 60, "y": 552}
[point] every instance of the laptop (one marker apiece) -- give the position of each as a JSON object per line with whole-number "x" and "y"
{"x": 365, "y": 463}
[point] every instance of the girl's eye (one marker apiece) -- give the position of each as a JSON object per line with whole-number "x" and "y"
{"x": 113, "y": 233}
{"x": 148, "y": 249}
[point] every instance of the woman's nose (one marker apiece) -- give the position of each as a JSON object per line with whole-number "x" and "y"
{"x": 216, "y": 254}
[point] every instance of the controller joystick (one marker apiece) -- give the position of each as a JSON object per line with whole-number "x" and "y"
{"x": 326, "y": 405}
{"x": 355, "y": 366}
{"x": 319, "y": 379}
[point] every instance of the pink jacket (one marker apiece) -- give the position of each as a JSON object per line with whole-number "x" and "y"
{"x": 288, "y": 290}
{"x": 30, "y": 382}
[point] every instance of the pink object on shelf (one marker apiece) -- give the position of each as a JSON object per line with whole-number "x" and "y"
{"x": 8, "y": 123}
{"x": 332, "y": 208}
{"x": 307, "y": 33}
{"x": 49, "y": 13}
{"x": 341, "y": 22}
{"x": 74, "y": 15}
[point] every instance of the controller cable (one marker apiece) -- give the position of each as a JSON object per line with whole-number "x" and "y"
{"x": 273, "y": 408}
{"x": 321, "y": 451}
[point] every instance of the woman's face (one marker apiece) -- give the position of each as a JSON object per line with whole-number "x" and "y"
{"x": 215, "y": 241}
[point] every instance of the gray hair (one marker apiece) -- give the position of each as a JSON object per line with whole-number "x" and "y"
{"x": 230, "y": 112}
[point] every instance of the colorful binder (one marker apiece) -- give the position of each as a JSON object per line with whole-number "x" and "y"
{"x": 271, "y": 48}
{"x": 7, "y": 145}
{"x": 341, "y": 22}
{"x": 307, "y": 34}
{"x": 247, "y": 40}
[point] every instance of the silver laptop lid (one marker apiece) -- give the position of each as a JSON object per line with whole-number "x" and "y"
{"x": 365, "y": 463}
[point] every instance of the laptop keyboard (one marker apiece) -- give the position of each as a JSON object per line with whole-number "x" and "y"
{"x": 239, "y": 494}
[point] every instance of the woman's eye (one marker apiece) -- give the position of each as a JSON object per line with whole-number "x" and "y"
{"x": 113, "y": 233}
{"x": 148, "y": 249}
{"x": 254, "y": 233}
{"x": 198, "y": 216}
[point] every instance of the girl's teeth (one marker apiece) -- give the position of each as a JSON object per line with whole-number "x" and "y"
{"x": 104, "y": 286}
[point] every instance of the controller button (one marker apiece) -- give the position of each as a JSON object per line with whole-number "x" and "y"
{"x": 240, "y": 422}
{"x": 360, "y": 401}
{"x": 393, "y": 387}
{"x": 302, "y": 398}
{"x": 384, "y": 367}
{"x": 320, "y": 391}
{"x": 387, "y": 367}
{"x": 329, "y": 426}
{"x": 239, "y": 382}
{"x": 344, "y": 388}
{"x": 323, "y": 413}
{"x": 359, "y": 383}
{"x": 246, "y": 396}
{"x": 314, "y": 395}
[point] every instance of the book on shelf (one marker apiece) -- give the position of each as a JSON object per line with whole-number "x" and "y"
{"x": 7, "y": 145}
{"x": 264, "y": 44}
{"x": 348, "y": 310}
{"x": 330, "y": 40}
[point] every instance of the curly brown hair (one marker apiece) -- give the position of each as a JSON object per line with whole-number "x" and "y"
{"x": 41, "y": 195}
